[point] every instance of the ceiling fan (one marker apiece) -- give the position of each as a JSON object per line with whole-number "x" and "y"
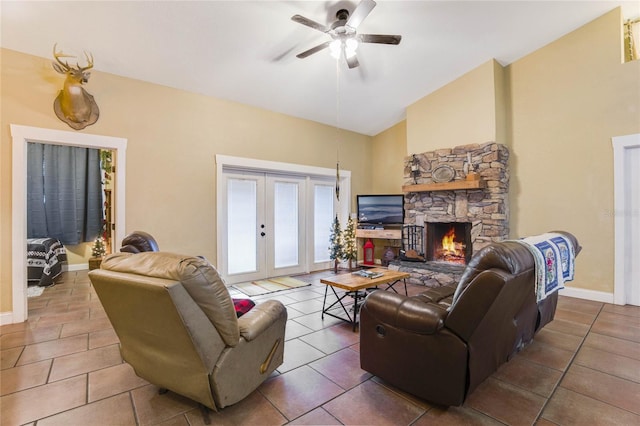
{"x": 343, "y": 31}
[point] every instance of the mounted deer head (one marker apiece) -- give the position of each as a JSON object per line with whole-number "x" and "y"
{"x": 74, "y": 105}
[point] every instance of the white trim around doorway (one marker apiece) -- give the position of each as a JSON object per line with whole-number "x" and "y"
{"x": 20, "y": 136}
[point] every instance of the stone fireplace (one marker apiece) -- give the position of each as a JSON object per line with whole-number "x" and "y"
{"x": 472, "y": 198}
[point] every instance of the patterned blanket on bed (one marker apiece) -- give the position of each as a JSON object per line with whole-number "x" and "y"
{"x": 45, "y": 257}
{"x": 554, "y": 259}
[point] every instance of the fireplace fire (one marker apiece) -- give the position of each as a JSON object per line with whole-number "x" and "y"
{"x": 449, "y": 242}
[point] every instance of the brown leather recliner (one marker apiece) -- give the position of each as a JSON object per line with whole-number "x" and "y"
{"x": 441, "y": 344}
{"x": 178, "y": 328}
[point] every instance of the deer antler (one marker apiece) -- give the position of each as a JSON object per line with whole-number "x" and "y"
{"x": 64, "y": 67}
{"x": 61, "y": 67}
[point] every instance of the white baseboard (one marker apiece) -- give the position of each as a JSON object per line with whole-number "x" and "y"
{"x": 580, "y": 293}
{"x": 6, "y": 318}
{"x": 78, "y": 267}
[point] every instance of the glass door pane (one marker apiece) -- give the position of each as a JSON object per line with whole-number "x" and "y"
{"x": 242, "y": 225}
{"x": 323, "y": 214}
{"x": 285, "y": 224}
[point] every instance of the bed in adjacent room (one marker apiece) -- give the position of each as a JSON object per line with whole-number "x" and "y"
{"x": 45, "y": 260}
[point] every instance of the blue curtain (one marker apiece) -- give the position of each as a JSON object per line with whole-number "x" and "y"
{"x": 64, "y": 193}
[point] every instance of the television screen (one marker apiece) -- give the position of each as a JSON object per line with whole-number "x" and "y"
{"x": 381, "y": 209}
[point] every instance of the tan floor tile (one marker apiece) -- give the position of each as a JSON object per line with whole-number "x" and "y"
{"x": 573, "y": 316}
{"x": 85, "y": 362}
{"x": 633, "y": 311}
{"x": 308, "y": 306}
{"x": 613, "y": 345}
{"x": 529, "y": 375}
{"x": 152, "y": 408}
{"x": 506, "y": 403}
{"x": 25, "y": 377}
{"x": 613, "y": 390}
{"x": 19, "y": 326}
{"x": 53, "y": 348}
{"x": 86, "y": 326}
{"x": 9, "y": 357}
{"x": 103, "y": 338}
{"x": 299, "y": 391}
{"x": 547, "y": 355}
{"x": 332, "y": 339}
{"x": 113, "y": 411}
{"x": 295, "y": 330}
{"x": 255, "y": 409}
{"x": 43, "y": 401}
{"x": 617, "y": 365}
{"x": 342, "y": 368}
{"x": 454, "y": 416}
{"x": 29, "y": 336}
{"x": 622, "y": 319}
{"x": 369, "y": 403}
{"x": 426, "y": 405}
{"x": 316, "y": 322}
{"x": 319, "y": 416}
{"x": 568, "y": 342}
{"x": 618, "y": 328}
{"x": 571, "y": 408}
{"x": 113, "y": 380}
{"x": 579, "y": 305}
{"x": 297, "y": 353}
{"x": 568, "y": 327}
{"x": 63, "y": 318}
{"x": 299, "y": 296}
{"x": 179, "y": 420}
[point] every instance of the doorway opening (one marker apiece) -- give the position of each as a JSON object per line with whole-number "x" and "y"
{"x": 21, "y": 135}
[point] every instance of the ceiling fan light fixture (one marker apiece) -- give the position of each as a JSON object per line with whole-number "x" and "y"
{"x": 335, "y": 47}
{"x": 350, "y": 47}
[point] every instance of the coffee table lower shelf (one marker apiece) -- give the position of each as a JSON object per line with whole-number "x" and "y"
{"x": 357, "y": 289}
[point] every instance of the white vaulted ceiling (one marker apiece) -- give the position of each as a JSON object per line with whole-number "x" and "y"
{"x": 245, "y": 51}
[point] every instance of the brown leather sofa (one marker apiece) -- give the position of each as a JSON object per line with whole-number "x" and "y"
{"x": 178, "y": 328}
{"x": 441, "y": 344}
{"x": 139, "y": 241}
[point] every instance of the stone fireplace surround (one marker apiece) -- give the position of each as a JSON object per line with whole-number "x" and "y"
{"x": 486, "y": 208}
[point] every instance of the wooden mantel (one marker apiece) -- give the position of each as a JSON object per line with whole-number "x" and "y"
{"x": 445, "y": 186}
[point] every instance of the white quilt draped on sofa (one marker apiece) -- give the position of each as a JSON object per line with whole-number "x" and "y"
{"x": 554, "y": 259}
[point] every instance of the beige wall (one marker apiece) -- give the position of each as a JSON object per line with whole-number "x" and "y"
{"x": 568, "y": 100}
{"x": 388, "y": 158}
{"x": 460, "y": 113}
{"x": 173, "y": 137}
{"x": 562, "y": 105}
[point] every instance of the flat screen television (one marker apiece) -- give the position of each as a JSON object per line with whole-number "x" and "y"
{"x": 380, "y": 209}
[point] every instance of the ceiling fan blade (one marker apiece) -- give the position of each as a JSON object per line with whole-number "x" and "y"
{"x": 362, "y": 10}
{"x": 352, "y": 61}
{"x": 379, "y": 38}
{"x": 313, "y": 50}
{"x": 309, "y": 23}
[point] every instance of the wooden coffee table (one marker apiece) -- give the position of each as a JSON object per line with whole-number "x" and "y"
{"x": 356, "y": 287}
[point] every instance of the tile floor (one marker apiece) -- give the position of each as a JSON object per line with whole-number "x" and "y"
{"x": 63, "y": 367}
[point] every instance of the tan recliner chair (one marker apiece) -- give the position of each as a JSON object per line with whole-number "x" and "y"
{"x": 178, "y": 328}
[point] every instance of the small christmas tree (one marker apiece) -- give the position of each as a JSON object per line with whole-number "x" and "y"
{"x": 349, "y": 246}
{"x": 98, "y": 249}
{"x": 335, "y": 243}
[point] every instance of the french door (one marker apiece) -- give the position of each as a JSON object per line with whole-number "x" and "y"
{"x": 265, "y": 232}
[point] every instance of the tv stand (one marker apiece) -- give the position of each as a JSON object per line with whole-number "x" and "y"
{"x": 378, "y": 232}
{"x": 382, "y": 233}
